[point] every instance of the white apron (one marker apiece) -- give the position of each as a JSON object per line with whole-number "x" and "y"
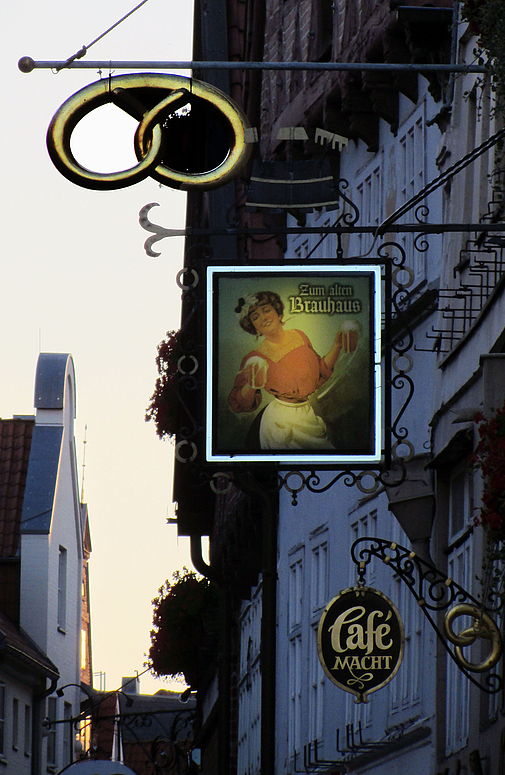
{"x": 292, "y": 426}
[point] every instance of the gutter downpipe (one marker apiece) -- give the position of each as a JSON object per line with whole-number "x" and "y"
{"x": 37, "y": 720}
{"x": 268, "y": 654}
{"x": 224, "y": 656}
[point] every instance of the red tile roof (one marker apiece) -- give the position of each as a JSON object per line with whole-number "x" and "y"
{"x": 15, "y": 443}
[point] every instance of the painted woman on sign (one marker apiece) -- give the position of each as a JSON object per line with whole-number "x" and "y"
{"x": 286, "y": 366}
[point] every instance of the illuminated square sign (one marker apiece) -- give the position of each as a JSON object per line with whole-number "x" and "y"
{"x": 294, "y": 364}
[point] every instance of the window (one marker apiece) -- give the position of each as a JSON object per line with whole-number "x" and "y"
{"x": 295, "y": 694}
{"x": 364, "y": 526}
{"x": 302, "y": 249}
{"x": 52, "y": 709}
{"x": 68, "y": 729}
{"x": 28, "y": 730}
{"x": 405, "y": 689}
{"x": 295, "y": 661}
{"x": 15, "y": 723}
{"x": 459, "y": 501}
{"x": 369, "y": 200}
{"x": 295, "y": 588}
{"x": 316, "y": 689}
{"x": 84, "y": 649}
{"x": 249, "y": 689}
{"x": 319, "y": 576}
{"x": 411, "y": 179}
{"x": 62, "y": 589}
{"x": 458, "y": 697}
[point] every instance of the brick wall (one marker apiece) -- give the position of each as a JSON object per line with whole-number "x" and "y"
{"x": 344, "y": 103}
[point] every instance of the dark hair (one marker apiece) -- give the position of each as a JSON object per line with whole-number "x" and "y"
{"x": 264, "y": 297}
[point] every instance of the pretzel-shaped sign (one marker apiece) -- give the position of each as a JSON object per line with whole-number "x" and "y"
{"x": 483, "y": 626}
{"x": 153, "y": 100}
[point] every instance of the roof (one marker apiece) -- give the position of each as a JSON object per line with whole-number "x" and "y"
{"x": 50, "y": 380}
{"x": 15, "y": 444}
{"x": 15, "y": 643}
{"x": 41, "y": 479}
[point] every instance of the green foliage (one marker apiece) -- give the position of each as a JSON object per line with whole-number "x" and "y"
{"x": 487, "y": 20}
{"x": 185, "y": 634}
{"x": 164, "y": 405}
{"x": 489, "y": 457}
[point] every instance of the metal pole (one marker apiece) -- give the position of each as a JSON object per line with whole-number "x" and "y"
{"x": 27, "y": 64}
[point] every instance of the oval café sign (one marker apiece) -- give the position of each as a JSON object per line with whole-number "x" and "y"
{"x": 360, "y": 641}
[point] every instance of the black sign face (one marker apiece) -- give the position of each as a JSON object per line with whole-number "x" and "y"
{"x": 360, "y": 641}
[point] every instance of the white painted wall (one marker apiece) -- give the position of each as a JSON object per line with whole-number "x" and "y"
{"x": 40, "y": 568}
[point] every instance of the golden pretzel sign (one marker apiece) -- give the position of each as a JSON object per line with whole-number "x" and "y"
{"x": 483, "y": 626}
{"x": 169, "y": 148}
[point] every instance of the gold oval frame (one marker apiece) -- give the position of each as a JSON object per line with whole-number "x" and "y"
{"x": 149, "y": 135}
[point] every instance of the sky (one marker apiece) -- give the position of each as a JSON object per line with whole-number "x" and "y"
{"x": 75, "y": 279}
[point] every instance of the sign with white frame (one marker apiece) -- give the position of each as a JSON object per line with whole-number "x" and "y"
{"x": 294, "y": 364}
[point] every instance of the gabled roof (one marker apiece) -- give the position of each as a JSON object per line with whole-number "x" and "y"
{"x": 55, "y": 372}
{"x": 15, "y": 444}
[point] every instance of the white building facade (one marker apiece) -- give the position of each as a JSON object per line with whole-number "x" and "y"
{"x": 51, "y": 550}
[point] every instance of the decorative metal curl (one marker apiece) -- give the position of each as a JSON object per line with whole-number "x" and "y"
{"x": 215, "y": 483}
{"x": 435, "y": 592}
{"x": 159, "y": 231}
{"x": 391, "y": 471}
{"x": 421, "y": 243}
{"x": 186, "y": 458}
{"x": 348, "y": 218}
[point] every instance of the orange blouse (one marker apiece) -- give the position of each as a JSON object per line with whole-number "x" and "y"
{"x": 293, "y": 378}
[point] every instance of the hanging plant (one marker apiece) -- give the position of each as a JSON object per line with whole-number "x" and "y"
{"x": 184, "y": 638}
{"x": 486, "y": 19}
{"x": 490, "y": 458}
{"x": 164, "y": 405}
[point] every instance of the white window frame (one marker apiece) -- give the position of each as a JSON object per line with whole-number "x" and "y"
{"x": 295, "y": 674}
{"x": 369, "y": 199}
{"x": 458, "y": 685}
{"x": 463, "y": 499}
{"x": 68, "y": 736}
{"x": 249, "y": 688}
{"x": 52, "y": 742}
{"x": 316, "y": 691}
{"x": 15, "y": 724}
{"x": 62, "y": 589}
{"x": 319, "y": 571}
{"x": 295, "y": 647}
{"x": 362, "y": 526}
{"x": 28, "y": 731}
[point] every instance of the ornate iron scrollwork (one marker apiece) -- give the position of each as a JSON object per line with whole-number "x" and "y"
{"x": 436, "y": 593}
{"x": 398, "y": 279}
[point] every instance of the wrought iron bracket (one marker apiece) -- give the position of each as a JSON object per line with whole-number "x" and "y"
{"x": 397, "y": 448}
{"x": 439, "y": 596}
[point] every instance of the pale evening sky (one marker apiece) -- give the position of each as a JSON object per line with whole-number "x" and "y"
{"x": 75, "y": 278}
